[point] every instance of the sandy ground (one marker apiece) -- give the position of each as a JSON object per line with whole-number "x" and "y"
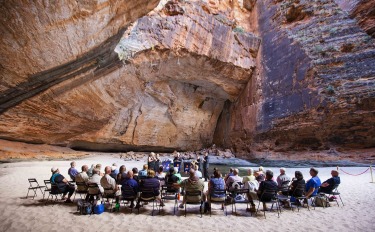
{"x": 20, "y": 214}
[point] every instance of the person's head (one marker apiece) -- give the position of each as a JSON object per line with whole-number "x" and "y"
{"x": 55, "y": 170}
{"x": 123, "y": 169}
{"x": 171, "y": 171}
{"x": 261, "y": 169}
{"x": 313, "y": 172}
{"x": 72, "y": 164}
{"x": 85, "y": 168}
{"x": 99, "y": 166}
{"x": 96, "y": 171}
{"x": 175, "y": 170}
{"x": 107, "y": 170}
{"x": 135, "y": 171}
{"x": 230, "y": 170}
{"x": 152, "y": 154}
{"x": 269, "y": 175}
{"x": 334, "y": 173}
{"x": 196, "y": 167}
{"x": 282, "y": 171}
{"x": 161, "y": 169}
{"x": 129, "y": 174}
{"x": 145, "y": 167}
{"x": 151, "y": 173}
{"x": 217, "y": 174}
{"x": 206, "y": 154}
{"x": 250, "y": 171}
{"x": 235, "y": 171}
{"x": 192, "y": 175}
{"x": 298, "y": 175}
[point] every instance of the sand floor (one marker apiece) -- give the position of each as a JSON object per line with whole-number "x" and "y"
{"x": 20, "y": 214}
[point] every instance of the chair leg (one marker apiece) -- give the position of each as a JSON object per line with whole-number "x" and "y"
{"x": 340, "y": 200}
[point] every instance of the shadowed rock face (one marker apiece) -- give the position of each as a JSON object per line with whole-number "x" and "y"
{"x": 316, "y": 86}
{"x": 180, "y": 64}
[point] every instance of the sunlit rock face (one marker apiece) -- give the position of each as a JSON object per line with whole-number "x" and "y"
{"x": 178, "y": 66}
{"x": 315, "y": 89}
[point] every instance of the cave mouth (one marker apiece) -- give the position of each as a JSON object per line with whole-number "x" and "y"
{"x": 115, "y": 147}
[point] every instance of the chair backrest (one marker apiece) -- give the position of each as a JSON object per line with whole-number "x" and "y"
{"x": 93, "y": 188}
{"x": 268, "y": 195}
{"x": 55, "y": 189}
{"x": 81, "y": 186}
{"x": 217, "y": 193}
{"x": 335, "y": 188}
{"x": 147, "y": 193}
{"x": 47, "y": 183}
{"x": 284, "y": 186}
{"x": 193, "y": 197}
{"x": 128, "y": 191}
{"x": 33, "y": 183}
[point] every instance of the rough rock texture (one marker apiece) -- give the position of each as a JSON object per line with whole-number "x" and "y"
{"x": 316, "y": 88}
{"x": 180, "y": 64}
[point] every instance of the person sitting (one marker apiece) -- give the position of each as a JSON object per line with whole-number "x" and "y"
{"x": 172, "y": 178}
{"x": 135, "y": 174}
{"x": 62, "y": 184}
{"x": 197, "y": 172}
{"x": 298, "y": 185}
{"x": 121, "y": 174}
{"x": 90, "y": 171}
{"x": 114, "y": 171}
{"x": 161, "y": 175}
{"x": 230, "y": 173}
{"x": 109, "y": 184}
{"x": 267, "y": 185}
{"x": 129, "y": 182}
{"x": 312, "y": 185}
{"x": 82, "y": 177}
{"x": 99, "y": 167}
{"x": 72, "y": 171}
{"x": 328, "y": 185}
{"x": 193, "y": 183}
{"x": 95, "y": 179}
{"x": 249, "y": 177}
{"x": 143, "y": 172}
{"x": 233, "y": 179}
{"x": 215, "y": 183}
{"x": 150, "y": 183}
{"x": 283, "y": 182}
{"x": 259, "y": 175}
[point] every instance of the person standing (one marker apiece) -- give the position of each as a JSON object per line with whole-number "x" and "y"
{"x": 205, "y": 166}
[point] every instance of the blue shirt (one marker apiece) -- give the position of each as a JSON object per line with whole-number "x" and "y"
{"x": 129, "y": 183}
{"x": 72, "y": 173}
{"x": 313, "y": 183}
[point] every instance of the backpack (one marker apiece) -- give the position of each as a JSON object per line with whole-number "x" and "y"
{"x": 84, "y": 208}
{"x": 321, "y": 201}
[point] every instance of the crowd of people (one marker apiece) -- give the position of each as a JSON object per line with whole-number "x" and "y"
{"x": 120, "y": 182}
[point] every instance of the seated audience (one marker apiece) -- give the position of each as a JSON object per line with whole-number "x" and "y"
{"x": 150, "y": 183}
{"x": 129, "y": 182}
{"x": 193, "y": 183}
{"x": 283, "y": 182}
{"x": 121, "y": 174}
{"x": 259, "y": 175}
{"x": 267, "y": 185}
{"x": 313, "y": 184}
{"x": 328, "y": 185}
{"x": 298, "y": 185}
{"x": 114, "y": 171}
{"x": 135, "y": 174}
{"x": 230, "y": 173}
{"x": 82, "y": 177}
{"x": 95, "y": 178}
{"x": 197, "y": 172}
{"x": 99, "y": 167}
{"x": 89, "y": 172}
{"x": 249, "y": 177}
{"x": 215, "y": 183}
{"x": 233, "y": 179}
{"x": 109, "y": 184}
{"x": 143, "y": 172}
{"x": 72, "y": 171}
{"x": 62, "y": 184}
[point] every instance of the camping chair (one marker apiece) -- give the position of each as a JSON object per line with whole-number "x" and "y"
{"x": 81, "y": 189}
{"x": 332, "y": 195}
{"x": 272, "y": 194}
{"x": 109, "y": 193}
{"x": 284, "y": 188}
{"x": 47, "y": 188}
{"x": 93, "y": 190}
{"x": 128, "y": 194}
{"x": 170, "y": 193}
{"x": 55, "y": 192}
{"x": 34, "y": 186}
{"x": 147, "y": 195}
{"x": 218, "y": 200}
{"x": 197, "y": 201}
{"x": 239, "y": 197}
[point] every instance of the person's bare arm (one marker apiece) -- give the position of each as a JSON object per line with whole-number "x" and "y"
{"x": 311, "y": 190}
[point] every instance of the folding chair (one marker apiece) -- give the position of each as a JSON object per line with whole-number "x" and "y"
{"x": 197, "y": 201}
{"x": 239, "y": 197}
{"x": 81, "y": 189}
{"x": 335, "y": 193}
{"x": 34, "y": 186}
{"x": 109, "y": 193}
{"x": 147, "y": 195}
{"x": 47, "y": 184}
{"x": 170, "y": 193}
{"x": 55, "y": 192}
{"x": 93, "y": 190}
{"x": 271, "y": 196}
{"x": 128, "y": 194}
{"x": 218, "y": 199}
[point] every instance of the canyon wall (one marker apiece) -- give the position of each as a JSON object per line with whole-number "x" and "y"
{"x": 315, "y": 89}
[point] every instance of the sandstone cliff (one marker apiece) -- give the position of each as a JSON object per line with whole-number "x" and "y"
{"x": 317, "y": 85}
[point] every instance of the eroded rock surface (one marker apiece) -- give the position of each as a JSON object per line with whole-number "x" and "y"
{"x": 180, "y": 64}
